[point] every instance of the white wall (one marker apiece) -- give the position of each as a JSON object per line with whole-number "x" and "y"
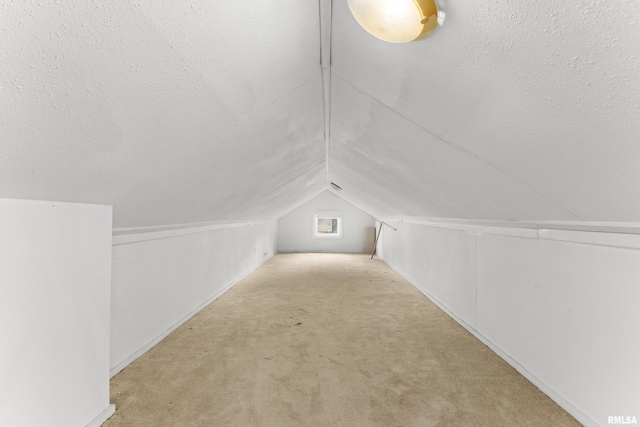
{"x": 295, "y": 232}
{"x": 560, "y": 306}
{"x": 163, "y": 277}
{"x": 55, "y": 268}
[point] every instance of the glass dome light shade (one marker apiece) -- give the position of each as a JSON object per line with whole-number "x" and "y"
{"x": 396, "y": 21}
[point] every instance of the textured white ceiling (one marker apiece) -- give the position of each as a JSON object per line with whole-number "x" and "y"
{"x": 512, "y": 110}
{"x": 179, "y": 112}
{"x": 173, "y": 112}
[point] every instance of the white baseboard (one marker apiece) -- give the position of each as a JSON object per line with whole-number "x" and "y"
{"x": 103, "y": 416}
{"x": 556, "y": 397}
{"x": 123, "y": 364}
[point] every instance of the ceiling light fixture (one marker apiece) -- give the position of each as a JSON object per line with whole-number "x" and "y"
{"x": 396, "y": 21}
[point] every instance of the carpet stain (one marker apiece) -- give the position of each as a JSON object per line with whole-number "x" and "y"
{"x": 325, "y": 340}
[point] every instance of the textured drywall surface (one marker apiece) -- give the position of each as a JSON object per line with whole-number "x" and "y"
{"x": 55, "y": 277}
{"x": 174, "y": 112}
{"x": 296, "y": 232}
{"x": 414, "y": 172}
{"x": 510, "y": 110}
{"x": 180, "y": 112}
{"x": 158, "y": 283}
{"x": 562, "y": 305}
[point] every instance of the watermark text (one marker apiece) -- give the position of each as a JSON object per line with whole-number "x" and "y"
{"x": 621, "y": 420}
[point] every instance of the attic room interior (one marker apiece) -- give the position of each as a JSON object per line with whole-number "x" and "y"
{"x": 166, "y": 166}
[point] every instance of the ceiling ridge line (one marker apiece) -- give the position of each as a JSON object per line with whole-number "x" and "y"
{"x": 325, "y": 16}
{"x": 454, "y": 145}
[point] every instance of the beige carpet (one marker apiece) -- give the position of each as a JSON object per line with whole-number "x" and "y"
{"x": 325, "y": 340}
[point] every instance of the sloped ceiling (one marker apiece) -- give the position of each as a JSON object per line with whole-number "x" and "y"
{"x": 179, "y": 112}
{"x": 511, "y": 110}
{"x": 174, "y": 112}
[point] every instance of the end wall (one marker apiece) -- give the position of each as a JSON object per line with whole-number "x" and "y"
{"x": 295, "y": 230}
{"x": 560, "y": 306}
{"x": 55, "y": 261}
{"x": 161, "y": 278}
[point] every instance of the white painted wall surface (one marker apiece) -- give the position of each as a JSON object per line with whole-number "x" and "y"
{"x": 55, "y": 269}
{"x": 560, "y": 306}
{"x": 295, "y": 228}
{"x": 162, "y": 278}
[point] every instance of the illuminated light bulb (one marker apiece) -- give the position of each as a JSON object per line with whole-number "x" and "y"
{"x": 396, "y": 21}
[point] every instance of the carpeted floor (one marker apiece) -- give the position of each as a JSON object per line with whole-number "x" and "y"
{"x": 325, "y": 340}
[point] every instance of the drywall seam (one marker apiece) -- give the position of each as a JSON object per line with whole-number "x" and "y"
{"x": 140, "y": 236}
{"x": 559, "y": 399}
{"x": 613, "y": 240}
{"x": 527, "y": 233}
{"x": 599, "y": 234}
{"x": 325, "y": 68}
{"x": 590, "y": 226}
{"x": 103, "y": 416}
{"x": 124, "y": 363}
{"x": 454, "y": 145}
{"x": 475, "y": 283}
{"x": 134, "y": 230}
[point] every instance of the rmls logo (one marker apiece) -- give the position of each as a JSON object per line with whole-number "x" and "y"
{"x": 622, "y": 420}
